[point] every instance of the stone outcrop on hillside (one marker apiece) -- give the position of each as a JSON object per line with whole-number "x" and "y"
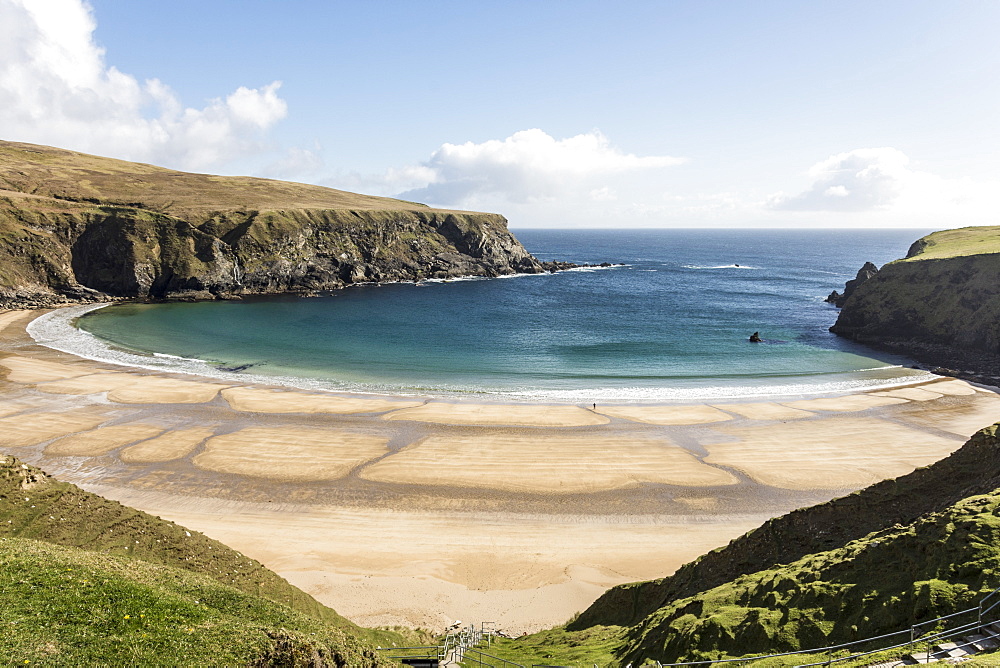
{"x": 77, "y": 227}
{"x": 866, "y": 272}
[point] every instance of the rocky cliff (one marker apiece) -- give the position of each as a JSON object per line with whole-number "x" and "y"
{"x": 866, "y": 272}
{"x": 941, "y": 301}
{"x": 75, "y": 226}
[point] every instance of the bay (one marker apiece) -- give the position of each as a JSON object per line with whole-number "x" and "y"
{"x": 670, "y": 323}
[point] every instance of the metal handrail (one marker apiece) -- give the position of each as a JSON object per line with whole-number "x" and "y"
{"x": 465, "y": 640}
{"x": 926, "y": 640}
{"x": 831, "y": 648}
{"x": 503, "y": 662}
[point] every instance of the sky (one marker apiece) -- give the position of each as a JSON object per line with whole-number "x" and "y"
{"x": 556, "y": 114}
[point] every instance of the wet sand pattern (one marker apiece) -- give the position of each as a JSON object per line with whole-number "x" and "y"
{"x": 412, "y": 511}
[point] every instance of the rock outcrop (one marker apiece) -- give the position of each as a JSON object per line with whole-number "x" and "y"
{"x": 940, "y": 304}
{"x": 78, "y": 227}
{"x": 866, "y": 272}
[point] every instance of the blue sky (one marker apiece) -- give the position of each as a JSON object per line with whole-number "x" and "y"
{"x": 556, "y": 114}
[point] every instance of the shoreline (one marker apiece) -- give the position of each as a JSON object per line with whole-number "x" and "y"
{"x": 395, "y": 510}
{"x": 56, "y": 332}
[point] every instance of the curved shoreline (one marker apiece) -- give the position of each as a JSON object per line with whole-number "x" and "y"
{"x": 55, "y": 330}
{"x": 399, "y": 510}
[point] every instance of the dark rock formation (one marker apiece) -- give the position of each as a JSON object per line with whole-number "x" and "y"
{"x": 865, "y": 273}
{"x": 940, "y": 305}
{"x": 951, "y": 301}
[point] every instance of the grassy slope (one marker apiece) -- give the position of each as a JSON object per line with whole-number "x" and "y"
{"x": 955, "y": 243}
{"x": 972, "y": 469}
{"x": 71, "y": 607}
{"x": 941, "y": 563}
{"x": 36, "y": 506}
{"x": 52, "y": 172}
{"x": 944, "y": 294}
{"x": 559, "y": 647}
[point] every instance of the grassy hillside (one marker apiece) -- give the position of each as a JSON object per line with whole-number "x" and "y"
{"x": 972, "y": 469}
{"x": 955, "y": 243}
{"x": 940, "y": 304}
{"x": 47, "y": 172}
{"x": 884, "y": 582}
{"x": 36, "y": 506}
{"x": 70, "y": 607}
{"x": 936, "y": 565}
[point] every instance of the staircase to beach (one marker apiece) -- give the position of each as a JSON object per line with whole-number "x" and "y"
{"x": 984, "y": 639}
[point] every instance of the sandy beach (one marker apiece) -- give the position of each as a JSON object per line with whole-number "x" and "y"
{"x": 423, "y": 512}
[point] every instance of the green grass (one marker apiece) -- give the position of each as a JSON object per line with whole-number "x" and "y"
{"x": 87, "y": 179}
{"x": 939, "y": 564}
{"x": 972, "y": 469}
{"x": 956, "y": 243}
{"x": 559, "y": 647}
{"x": 63, "y": 606}
{"x": 36, "y": 506}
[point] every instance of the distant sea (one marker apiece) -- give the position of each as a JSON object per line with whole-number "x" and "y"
{"x": 671, "y": 323}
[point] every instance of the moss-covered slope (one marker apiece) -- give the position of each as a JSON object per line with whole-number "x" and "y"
{"x": 62, "y": 606}
{"x": 945, "y": 293}
{"x": 939, "y": 564}
{"x": 33, "y": 505}
{"x": 79, "y": 226}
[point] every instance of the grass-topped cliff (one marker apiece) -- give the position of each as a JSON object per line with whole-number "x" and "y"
{"x": 941, "y": 301}
{"x": 80, "y": 226}
{"x": 88, "y": 581}
{"x": 955, "y": 243}
{"x": 897, "y": 552}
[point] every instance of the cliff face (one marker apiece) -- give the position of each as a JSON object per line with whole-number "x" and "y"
{"x": 945, "y": 293}
{"x": 74, "y": 226}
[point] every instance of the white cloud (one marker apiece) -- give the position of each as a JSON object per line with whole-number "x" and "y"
{"x": 295, "y": 162}
{"x": 55, "y": 88}
{"x": 881, "y": 187}
{"x": 530, "y": 165}
{"x": 864, "y": 179}
{"x": 604, "y": 194}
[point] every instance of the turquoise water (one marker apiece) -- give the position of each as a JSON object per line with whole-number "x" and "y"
{"x": 671, "y": 324}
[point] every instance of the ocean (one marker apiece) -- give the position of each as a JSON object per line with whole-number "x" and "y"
{"x": 670, "y": 323}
